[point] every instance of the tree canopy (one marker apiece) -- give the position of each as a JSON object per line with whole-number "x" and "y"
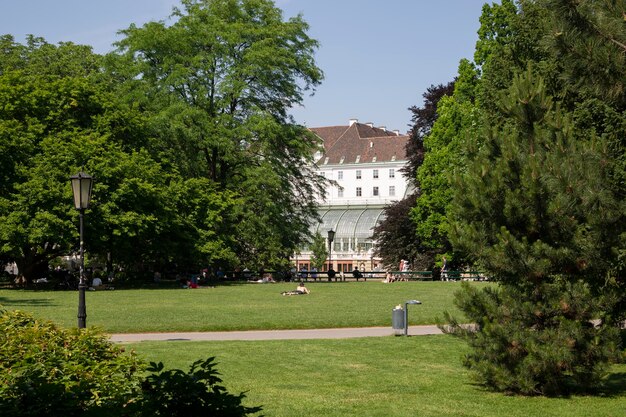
{"x": 186, "y": 131}
{"x": 538, "y": 203}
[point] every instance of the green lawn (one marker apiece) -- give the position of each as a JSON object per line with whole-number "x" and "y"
{"x": 240, "y": 307}
{"x": 386, "y": 376}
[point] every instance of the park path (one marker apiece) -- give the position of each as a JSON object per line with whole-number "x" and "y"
{"x": 343, "y": 333}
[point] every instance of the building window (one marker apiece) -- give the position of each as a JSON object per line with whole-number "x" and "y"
{"x": 358, "y": 174}
{"x": 375, "y": 174}
{"x": 339, "y": 175}
{"x": 375, "y": 192}
{"x": 392, "y": 190}
{"x": 358, "y": 191}
{"x": 392, "y": 173}
{"x": 340, "y": 192}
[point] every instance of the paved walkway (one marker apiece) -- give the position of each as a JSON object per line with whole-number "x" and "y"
{"x": 276, "y": 334}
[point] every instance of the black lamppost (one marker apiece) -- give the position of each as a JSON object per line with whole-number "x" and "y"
{"x": 81, "y": 187}
{"x": 331, "y": 237}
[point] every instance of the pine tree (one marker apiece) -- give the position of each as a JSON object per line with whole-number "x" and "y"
{"x": 536, "y": 210}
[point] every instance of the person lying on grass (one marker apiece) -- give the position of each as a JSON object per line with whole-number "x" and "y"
{"x": 300, "y": 290}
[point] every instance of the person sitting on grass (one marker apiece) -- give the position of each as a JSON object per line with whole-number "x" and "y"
{"x": 300, "y": 290}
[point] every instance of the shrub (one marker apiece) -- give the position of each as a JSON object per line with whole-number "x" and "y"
{"x": 197, "y": 393}
{"x": 49, "y": 371}
{"x": 46, "y": 370}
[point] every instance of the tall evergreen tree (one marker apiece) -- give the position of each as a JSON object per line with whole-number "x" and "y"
{"x": 536, "y": 210}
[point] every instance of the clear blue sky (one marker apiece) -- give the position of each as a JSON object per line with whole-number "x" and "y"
{"x": 378, "y": 56}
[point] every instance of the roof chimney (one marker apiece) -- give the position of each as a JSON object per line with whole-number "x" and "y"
{"x": 353, "y": 121}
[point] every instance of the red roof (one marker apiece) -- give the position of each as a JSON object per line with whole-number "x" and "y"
{"x": 348, "y": 142}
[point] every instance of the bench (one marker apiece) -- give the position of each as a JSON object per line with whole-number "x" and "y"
{"x": 413, "y": 275}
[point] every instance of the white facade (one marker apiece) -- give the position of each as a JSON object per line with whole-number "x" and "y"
{"x": 364, "y": 165}
{"x": 379, "y": 183}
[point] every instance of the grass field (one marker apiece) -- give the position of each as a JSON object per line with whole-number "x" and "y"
{"x": 240, "y": 306}
{"x": 383, "y": 376}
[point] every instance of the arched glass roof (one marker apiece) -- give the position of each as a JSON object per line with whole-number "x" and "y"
{"x": 348, "y": 223}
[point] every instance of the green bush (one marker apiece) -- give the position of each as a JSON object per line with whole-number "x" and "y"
{"x": 49, "y": 371}
{"x": 175, "y": 393}
{"x": 46, "y": 370}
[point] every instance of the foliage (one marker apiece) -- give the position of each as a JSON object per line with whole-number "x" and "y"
{"x": 395, "y": 236}
{"x": 536, "y": 209}
{"x": 395, "y": 233}
{"x": 185, "y": 131}
{"x": 590, "y": 38}
{"x": 196, "y": 393}
{"x": 423, "y": 119}
{"x": 54, "y": 119}
{"x": 538, "y": 343}
{"x": 220, "y": 81}
{"x": 47, "y": 370}
{"x": 319, "y": 251}
{"x": 457, "y": 118}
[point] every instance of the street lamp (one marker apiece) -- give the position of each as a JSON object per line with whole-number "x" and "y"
{"x": 406, "y": 314}
{"x": 81, "y": 187}
{"x": 331, "y": 237}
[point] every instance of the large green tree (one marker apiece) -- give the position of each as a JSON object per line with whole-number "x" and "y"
{"x": 457, "y": 117}
{"x": 61, "y": 113}
{"x": 536, "y": 210}
{"x": 56, "y": 116}
{"x": 218, "y": 84}
{"x": 540, "y": 204}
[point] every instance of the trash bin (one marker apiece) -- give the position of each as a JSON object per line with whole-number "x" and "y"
{"x": 397, "y": 320}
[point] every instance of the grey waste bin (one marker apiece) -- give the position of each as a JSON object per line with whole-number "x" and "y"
{"x": 397, "y": 320}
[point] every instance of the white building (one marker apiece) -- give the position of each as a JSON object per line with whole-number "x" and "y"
{"x": 364, "y": 162}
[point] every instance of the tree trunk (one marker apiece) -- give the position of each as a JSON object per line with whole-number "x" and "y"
{"x": 32, "y": 266}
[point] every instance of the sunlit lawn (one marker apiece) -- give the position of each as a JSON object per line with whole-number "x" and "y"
{"x": 384, "y": 376}
{"x": 240, "y": 307}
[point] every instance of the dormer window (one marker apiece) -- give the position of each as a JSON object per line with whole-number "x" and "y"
{"x": 373, "y": 159}
{"x": 358, "y": 159}
{"x": 342, "y": 159}
{"x": 326, "y": 161}
{"x": 393, "y": 158}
